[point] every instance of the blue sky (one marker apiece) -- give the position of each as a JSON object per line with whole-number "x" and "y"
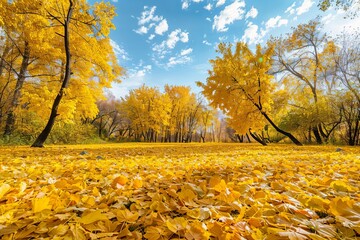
{"x": 162, "y": 42}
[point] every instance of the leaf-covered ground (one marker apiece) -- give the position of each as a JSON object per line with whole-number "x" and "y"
{"x": 180, "y": 191}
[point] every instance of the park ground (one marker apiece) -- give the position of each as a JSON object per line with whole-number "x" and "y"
{"x": 180, "y": 191}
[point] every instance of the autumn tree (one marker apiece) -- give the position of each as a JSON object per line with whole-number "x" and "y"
{"x": 347, "y": 62}
{"x": 239, "y": 84}
{"x": 23, "y": 37}
{"x": 88, "y": 57}
{"x": 149, "y": 112}
{"x": 302, "y": 58}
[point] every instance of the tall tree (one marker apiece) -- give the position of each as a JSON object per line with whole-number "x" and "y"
{"x": 348, "y": 74}
{"x": 240, "y": 85}
{"x": 302, "y": 56}
{"x": 89, "y": 59}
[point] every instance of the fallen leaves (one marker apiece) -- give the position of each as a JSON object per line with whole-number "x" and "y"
{"x": 179, "y": 191}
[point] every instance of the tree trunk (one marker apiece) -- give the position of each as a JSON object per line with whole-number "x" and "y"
{"x": 39, "y": 142}
{"x": 248, "y": 138}
{"x": 257, "y": 138}
{"x": 289, "y": 135}
{"x": 10, "y": 121}
{"x": 317, "y": 134}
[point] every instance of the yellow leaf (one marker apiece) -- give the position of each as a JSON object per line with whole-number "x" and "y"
{"x": 176, "y": 224}
{"x": 4, "y": 188}
{"x": 59, "y": 230}
{"x": 127, "y": 216}
{"x": 187, "y": 196}
{"x": 154, "y": 233}
{"x": 40, "y": 204}
{"x": 257, "y": 235}
{"x": 220, "y": 187}
{"x": 339, "y": 185}
{"x": 77, "y": 232}
{"x": 92, "y": 217}
{"x": 137, "y": 183}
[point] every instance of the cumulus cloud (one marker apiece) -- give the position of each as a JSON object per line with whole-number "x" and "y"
{"x": 291, "y": 9}
{"x": 176, "y": 60}
{"x": 252, "y": 13}
{"x": 164, "y": 48}
{"x": 206, "y": 42}
{"x": 176, "y": 36}
{"x": 253, "y": 34}
{"x": 162, "y": 27}
{"x": 142, "y": 30}
{"x": 148, "y": 16}
{"x": 230, "y": 14}
{"x": 186, "y": 51}
{"x": 220, "y": 2}
{"x": 185, "y": 5}
{"x": 275, "y": 22}
{"x": 305, "y": 7}
{"x": 148, "y": 20}
{"x": 208, "y": 7}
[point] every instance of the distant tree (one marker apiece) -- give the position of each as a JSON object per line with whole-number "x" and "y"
{"x": 149, "y": 112}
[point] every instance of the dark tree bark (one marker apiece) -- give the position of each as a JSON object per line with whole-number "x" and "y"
{"x": 10, "y": 120}
{"x": 289, "y": 135}
{"x": 257, "y": 138}
{"x": 39, "y": 142}
{"x": 316, "y": 132}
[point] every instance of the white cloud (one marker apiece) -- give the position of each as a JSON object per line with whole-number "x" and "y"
{"x": 148, "y": 20}
{"x": 148, "y": 16}
{"x": 178, "y": 60}
{"x": 230, "y": 14}
{"x": 291, "y": 9}
{"x": 208, "y": 7}
{"x": 208, "y": 19}
{"x": 185, "y": 5}
{"x": 186, "y": 51}
{"x": 142, "y": 30}
{"x": 162, "y": 27}
{"x": 119, "y": 52}
{"x": 206, "y": 42}
{"x": 252, "y": 13}
{"x": 184, "y": 37}
{"x": 220, "y": 2}
{"x": 305, "y": 7}
{"x": 197, "y": 1}
{"x": 275, "y": 22}
{"x": 176, "y": 36}
{"x": 151, "y": 37}
{"x": 251, "y": 34}
{"x": 165, "y": 47}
